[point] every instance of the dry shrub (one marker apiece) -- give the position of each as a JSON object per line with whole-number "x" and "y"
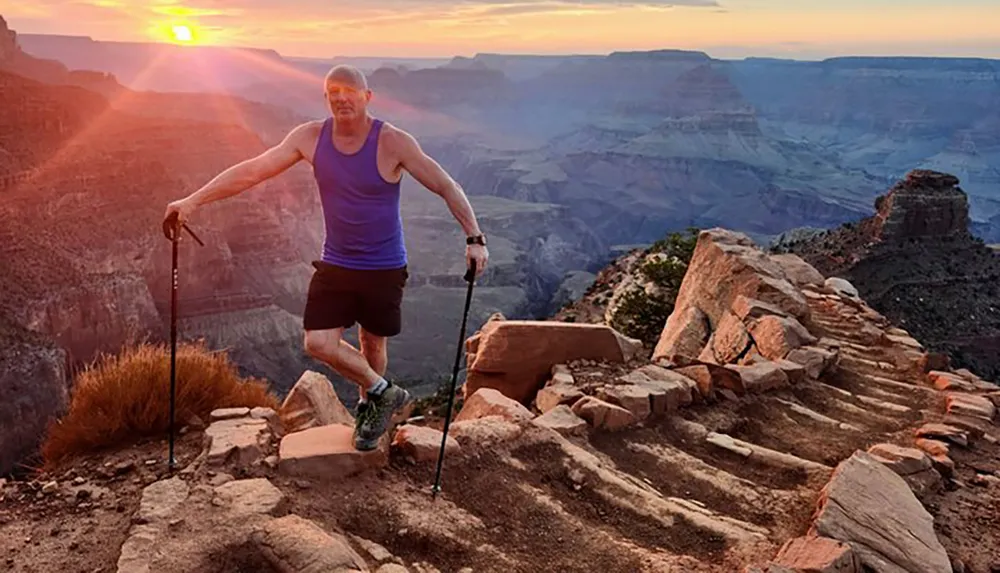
{"x": 121, "y": 397}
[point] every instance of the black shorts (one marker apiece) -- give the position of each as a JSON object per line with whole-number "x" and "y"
{"x": 339, "y": 297}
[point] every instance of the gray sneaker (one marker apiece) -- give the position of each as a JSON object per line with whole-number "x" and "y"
{"x": 376, "y": 415}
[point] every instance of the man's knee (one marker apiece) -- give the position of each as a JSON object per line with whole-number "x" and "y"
{"x": 323, "y": 344}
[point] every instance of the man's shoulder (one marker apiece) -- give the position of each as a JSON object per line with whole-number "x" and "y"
{"x": 395, "y": 138}
{"x": 310, "y": 128}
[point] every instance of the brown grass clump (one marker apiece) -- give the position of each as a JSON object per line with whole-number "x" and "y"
{"x": 121, "y": 397}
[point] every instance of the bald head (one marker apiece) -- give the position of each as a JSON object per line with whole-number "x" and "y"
{"x": 348, "y": 76}
{"x": 347, "y": 94}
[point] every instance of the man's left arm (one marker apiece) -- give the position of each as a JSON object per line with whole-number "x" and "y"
{"x": 431, "y": 175}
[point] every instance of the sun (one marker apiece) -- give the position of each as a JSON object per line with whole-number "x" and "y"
{"x": 182, "y": 34}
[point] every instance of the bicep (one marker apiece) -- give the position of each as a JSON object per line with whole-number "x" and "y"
{"x": 423, "y": 167}
{"x": 281, "y": 156}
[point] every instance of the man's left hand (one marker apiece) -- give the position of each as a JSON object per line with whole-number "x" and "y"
{"x": 479, "y": 254}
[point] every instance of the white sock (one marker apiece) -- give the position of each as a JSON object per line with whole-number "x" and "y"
{"x": 378, "y": 387}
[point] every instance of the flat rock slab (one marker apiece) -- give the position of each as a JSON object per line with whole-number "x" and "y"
{"x": 159, "y": 502}
{"x": 327, "y": 452}
{"x": 249, "y": 497}
{"x": 557, "y": 393}
{"x": 776, "y": 336}
{"x": 761, "y": 377}
{"x": 944, "y": 432}
{"x": 293, "y": 544}
{"x": 491, "y": 402}
{"x": 632, "y": 397}
{"x": 563, "y": 420}
{"x": 971, "y": 405}
{"x": 237, "y": 440}
{"x": 903, "y": 461}
{"x": 871, "y": 508}
{"x": 817, "y": 555}
{"x": 601, "y": 414}
{"x": 228, "y": 413}
{"x": 484, "y": 431}
{"x": 423, "y": 444}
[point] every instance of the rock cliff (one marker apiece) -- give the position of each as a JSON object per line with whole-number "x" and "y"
{"x": 828, "y": 446}
{"x": 916, "y": 261}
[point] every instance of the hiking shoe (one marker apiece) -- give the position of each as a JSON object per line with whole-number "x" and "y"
{"x": 375, "y": 416}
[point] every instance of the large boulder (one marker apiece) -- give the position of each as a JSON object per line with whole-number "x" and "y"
{"x": 516, "y": 356}
{"x": 872, "y": 509}
{"x": 725, "y": 266}
{"x": 684, "y": 336}
{"x": 312, "y": 402}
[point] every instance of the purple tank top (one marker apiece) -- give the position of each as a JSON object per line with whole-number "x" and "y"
{"x": 364, "y": 226}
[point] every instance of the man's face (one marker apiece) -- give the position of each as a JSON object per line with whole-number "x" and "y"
{"x": 346, "y": 99}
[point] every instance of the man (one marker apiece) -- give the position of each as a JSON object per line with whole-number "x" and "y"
{"x": 358, "y": 162}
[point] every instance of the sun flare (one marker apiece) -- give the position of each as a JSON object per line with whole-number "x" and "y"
{"x": 182, "y": 34}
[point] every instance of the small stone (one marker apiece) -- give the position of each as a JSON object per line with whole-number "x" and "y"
{"x": 79, "y": 481}
{"x": 423, "y": 444}
{"x": 150, "y": 462}
{"x": 50, "y": 487}
{"x": 229, "y": 414}
{"x": 563, "y": 420}
{"x": 271, "y": 461}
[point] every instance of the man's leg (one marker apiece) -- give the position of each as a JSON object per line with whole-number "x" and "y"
{"x": 330, "y": 347}
{"x": 373, "y": 347}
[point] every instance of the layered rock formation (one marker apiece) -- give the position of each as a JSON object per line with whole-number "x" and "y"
{"x": 916, "y": 261}
{"x": 867, "y": 462}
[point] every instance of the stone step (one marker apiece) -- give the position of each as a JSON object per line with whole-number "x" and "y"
{"x": 814, "y": 415}
{"x": 764, "y": 455}
{"x": 328, "y": 453}
{"x": 844, "y": 401}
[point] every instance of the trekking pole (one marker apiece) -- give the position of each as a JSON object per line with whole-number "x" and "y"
{"x": 170, "y": 229}
{"x": 470, "y": 276}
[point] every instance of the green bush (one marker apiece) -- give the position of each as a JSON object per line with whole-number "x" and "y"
{"x": 642, "y": 316}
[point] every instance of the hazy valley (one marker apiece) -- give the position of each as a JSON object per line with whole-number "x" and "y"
{"x": 568, "y": 160}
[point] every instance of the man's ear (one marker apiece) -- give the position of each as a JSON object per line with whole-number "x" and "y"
{"x": 368, "y": 95}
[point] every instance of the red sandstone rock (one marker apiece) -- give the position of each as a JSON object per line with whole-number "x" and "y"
{"x": 632, "y": 397}
{"x": 600, "y": 414}
{"x": 327, "y": 452}
{"x": 679, "y": 389}
{"x": 932, "y": 447}
{"x": 490, "y": 402}
{"x": 711, "y": 377}
{"x": 903, "y": 461}
{"x": 761, "y": 377}
{"x": 555, "y": 394}
{"x": 563, "y": 420}
{"x": 971, "y": 405}
{"x": 816, "y": 360}
{"x": 817, "y": 555}
{"x": 312, "y": 402}
{"x": 516, "y": 356}
{"x": 684, "y": 336}
{"x": 798, "y": 271}
{"x": 776, "y": 336}
{"x": 943, "y": 432}
{"x": 422, "y": 444}
{"x": 748, "y": 308}
{"x": 485, "y": 431}
{"x": 727, "y": 342}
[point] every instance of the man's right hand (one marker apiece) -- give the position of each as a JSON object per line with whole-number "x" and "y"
{"x": 181, "y": 210}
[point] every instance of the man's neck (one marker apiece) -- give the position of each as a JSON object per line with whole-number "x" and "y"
{"x": 352, "y": 128}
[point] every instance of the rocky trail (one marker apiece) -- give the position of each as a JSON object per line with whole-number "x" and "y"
{"x": 780, "y": 425}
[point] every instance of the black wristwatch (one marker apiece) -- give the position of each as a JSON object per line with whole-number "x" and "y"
{"x": 476, "y": 240}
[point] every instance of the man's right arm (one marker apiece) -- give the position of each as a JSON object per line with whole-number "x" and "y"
{"x": 246, "y": 174}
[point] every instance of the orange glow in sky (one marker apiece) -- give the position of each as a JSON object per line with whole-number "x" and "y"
{"x": 444, "y": 28}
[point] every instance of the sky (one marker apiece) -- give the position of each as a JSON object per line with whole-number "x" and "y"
{"x": 807, "y": 29}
